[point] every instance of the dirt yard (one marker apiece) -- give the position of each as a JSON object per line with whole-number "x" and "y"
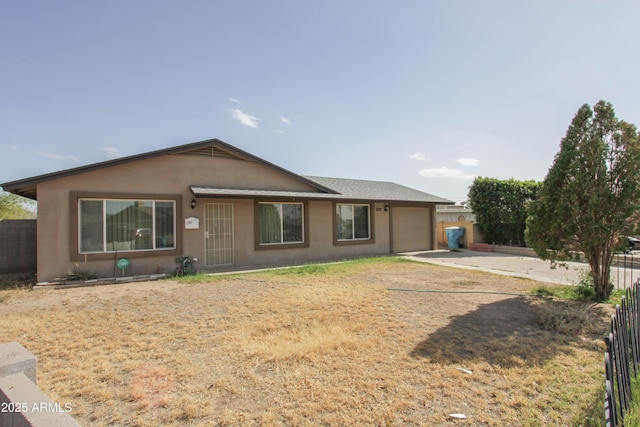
{"x": 373, "y": 343}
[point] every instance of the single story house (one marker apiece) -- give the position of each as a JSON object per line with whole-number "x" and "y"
{"x": 220, "y": 205}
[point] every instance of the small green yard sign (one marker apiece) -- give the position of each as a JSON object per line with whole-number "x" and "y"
{"x": 122, "y": 264}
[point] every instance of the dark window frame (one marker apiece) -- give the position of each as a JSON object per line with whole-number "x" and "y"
{"x": 269, "y": 246}
{"x": 348, "y": 242}
{"x": 74, "y": 226}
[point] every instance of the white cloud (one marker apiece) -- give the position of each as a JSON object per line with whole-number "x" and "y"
{"x": 418, "y": 156}
{"x": 468, "y": 162}
{"x": 112, "y": 152}
{"x": 14, "y": 147}
{"x": 244, "y": 118}
{"x": 445, "y": 172}
{"x": 53, "y": 156}
{"x": 284, "y": 120}
{"x": 234, "y": 100}
{"x": 56, "y": 156}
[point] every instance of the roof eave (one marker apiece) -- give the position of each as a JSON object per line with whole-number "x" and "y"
{"x": 205, "y": 192}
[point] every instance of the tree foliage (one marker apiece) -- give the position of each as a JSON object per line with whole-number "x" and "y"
{"x": 15, "y": 207}
{"x": 500, "y": 208}
{"x": 591, "y": 194}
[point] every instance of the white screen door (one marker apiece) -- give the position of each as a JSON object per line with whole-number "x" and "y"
{"x": 218, "y": 234}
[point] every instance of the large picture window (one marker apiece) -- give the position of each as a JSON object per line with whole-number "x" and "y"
{"x": 353, "y": 222}
{"x": 109, "y": 225}
{"x": 281, "y": 223}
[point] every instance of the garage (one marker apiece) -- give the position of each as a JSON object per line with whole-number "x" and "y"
{"x": 411, "y": 229}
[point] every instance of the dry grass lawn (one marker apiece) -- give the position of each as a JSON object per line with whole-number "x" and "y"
{"x": 320, "y": 345}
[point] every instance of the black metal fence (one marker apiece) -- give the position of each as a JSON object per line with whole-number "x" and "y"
{"x": 625, "y": 270}
{"x": 622, "y": 358}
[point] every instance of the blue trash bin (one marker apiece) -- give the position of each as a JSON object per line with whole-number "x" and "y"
{"x": 453, "y": 236}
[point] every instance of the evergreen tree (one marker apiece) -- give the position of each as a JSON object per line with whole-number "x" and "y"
{"x": 500, "y": 207}
{"x": 590, "y": 196}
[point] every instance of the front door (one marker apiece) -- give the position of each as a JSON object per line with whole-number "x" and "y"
{"x": 218, "y": 234}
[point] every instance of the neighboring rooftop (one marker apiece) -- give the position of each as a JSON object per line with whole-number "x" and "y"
{"x": 455, "y": 208}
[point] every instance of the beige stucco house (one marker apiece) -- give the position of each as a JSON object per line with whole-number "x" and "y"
{"x": 219, "y": 204}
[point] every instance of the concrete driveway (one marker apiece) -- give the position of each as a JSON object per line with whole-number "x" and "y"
{"x": 508, "y": 265}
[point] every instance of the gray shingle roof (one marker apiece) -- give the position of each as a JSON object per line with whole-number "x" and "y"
{"x": 346, "y": 189}
{"x": 376, "y": 190}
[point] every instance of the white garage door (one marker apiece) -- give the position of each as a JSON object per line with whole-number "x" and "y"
{"x": 411, "y": 229}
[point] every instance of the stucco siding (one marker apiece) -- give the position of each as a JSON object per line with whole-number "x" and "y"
{"x": 320, "y": 238}
{"x": 170, "y": 174}
{"x": 169, "y": 177}
{"x": 161, "y": 175}
{"x": 209, "y": 185}
{"x": 53, "y": 232}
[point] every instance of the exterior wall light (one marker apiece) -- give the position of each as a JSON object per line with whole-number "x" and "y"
{"x": 193, "y": 203}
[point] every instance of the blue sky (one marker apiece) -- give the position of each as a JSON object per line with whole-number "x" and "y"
{"x": 427, "y": 94}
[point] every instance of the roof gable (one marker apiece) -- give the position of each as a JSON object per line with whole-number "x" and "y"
{"x": 328, "y": 188}
{"x": 211, "y": 151}
{"x": 211, "y": 148}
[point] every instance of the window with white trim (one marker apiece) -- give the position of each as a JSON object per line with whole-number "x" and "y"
{"x": 281, "y": 223}
{"x": 353, "y": 222}
{"x": 121, "y": 225}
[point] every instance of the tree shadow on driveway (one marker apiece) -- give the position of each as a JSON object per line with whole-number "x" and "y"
{"x": 509, "y": 333}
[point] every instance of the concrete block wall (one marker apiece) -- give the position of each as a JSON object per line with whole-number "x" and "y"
{"x": 22, "y": 403}
{"x": 18, "y": 246}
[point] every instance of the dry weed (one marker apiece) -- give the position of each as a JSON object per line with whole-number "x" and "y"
{"x": 567, "y": 317}
{"x": 316, "y": 349}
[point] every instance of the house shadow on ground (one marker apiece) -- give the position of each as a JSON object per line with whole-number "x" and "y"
{"x": 510, "y": 333}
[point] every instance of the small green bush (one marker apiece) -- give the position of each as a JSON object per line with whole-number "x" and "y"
{"x": 584, "y": 288}
{"x": 80, "y": 274}
{"x": 543, "y": 291}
